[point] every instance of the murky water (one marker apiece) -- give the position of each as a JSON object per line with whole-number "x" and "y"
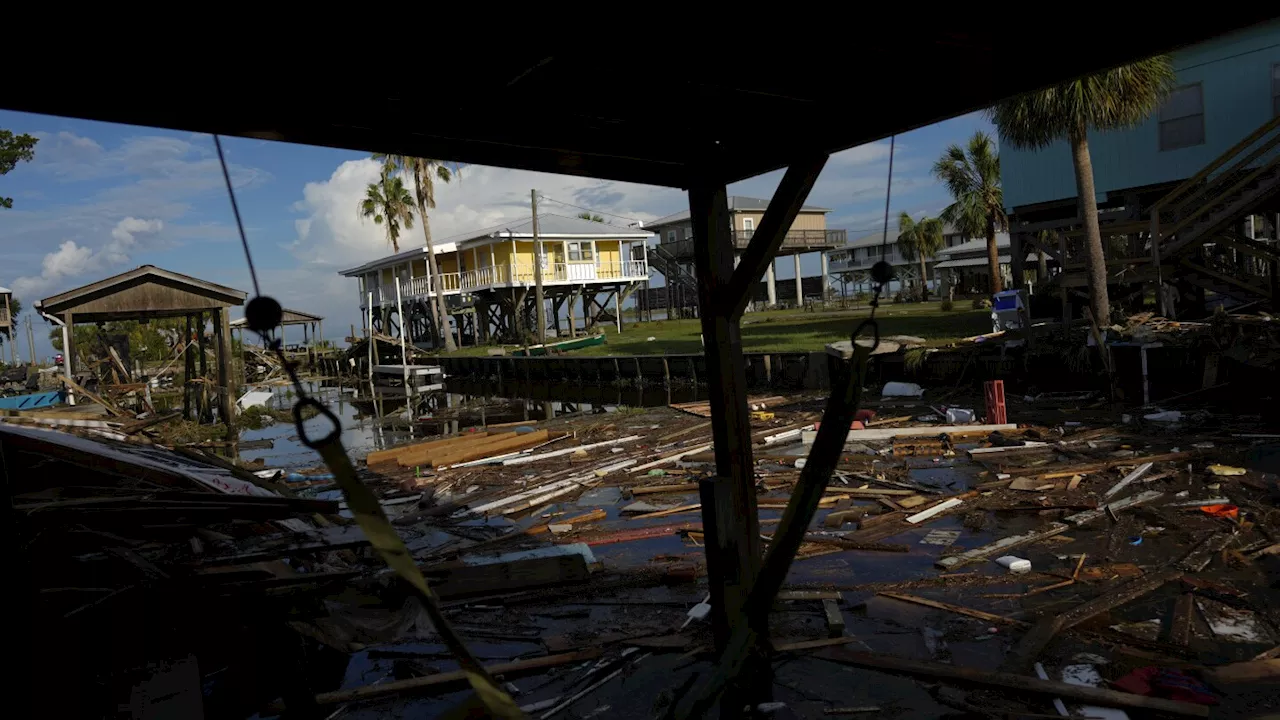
{"x": 362, "y": 431}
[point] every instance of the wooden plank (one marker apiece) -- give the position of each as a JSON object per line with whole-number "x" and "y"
{"x": 941, "y": 507}
{"x": 670, "y": 458}
{"x": 976, "y": 554}
{"x": 441, "y": 682}
{"x": 570, "y": 450}
{"x": 655, "y": 489}
{"x": 1024, "y": 654}
{"x": 811, "y": 595}
{"x": 812, "y": 644}
{"x": 1012, "y": 682}
{"x": 669, "y": 511}
{"x": 1137, "y": 473}
{"x": 489, "y": 449}
{"x": 1181, "y": 623}
{"x": 957, "y": 609}
{"x": 75, "y": 386}
{"x": 835, "y": 618}
{"x": 456, "y": 580}
{"x": 1250, "y": 671}
{"x": 1093, "y": 467}
{"x": 1200, "y": 557}
{"x": 593, "y": 516}
{"x": 1089, "y": 516}
{"x": 890, "y": 433}
{"x": 391, "y": 454}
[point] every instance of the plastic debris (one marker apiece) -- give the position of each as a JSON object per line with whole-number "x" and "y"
{"x": 960, "y": 415}
{"x": 1226, "y": 470}
{"x": 901, "y": 389}
{"x": 1013, "y": 564}
{"x": 1168, "y": 416}
{"x": 1231, "y": 512}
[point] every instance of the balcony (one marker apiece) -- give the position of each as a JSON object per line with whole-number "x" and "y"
{"x": 4, "y": 316}
{"x": 512, "y": 275}
{"x": 795, "y": 239}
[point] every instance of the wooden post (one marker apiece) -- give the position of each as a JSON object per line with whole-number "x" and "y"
{"x": 569, "y": 301}
{"x": 732, "y": 565}
{"x": 1016, "y": 260}
{"x": 8, "y": 314}
{"x": 188, "y": 368}
{"x": 1062, "y": 283}
{"x": 617, "y": 308}
{"x": 226, "y": 384}
{"x": 68, "y": 350}
{"x": 404, "y": 350}
{"x": 795, "y": 258}
{"x": 202, "y": 358}
{"x": 538, "y": 299}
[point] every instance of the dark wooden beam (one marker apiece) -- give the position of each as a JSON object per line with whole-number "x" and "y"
{"x": 765, "y": 241}
{"x": 731, "y": 565}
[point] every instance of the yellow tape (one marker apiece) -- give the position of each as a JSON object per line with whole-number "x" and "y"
{"x": 373, "y": 521}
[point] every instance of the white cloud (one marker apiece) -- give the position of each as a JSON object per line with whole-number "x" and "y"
{"x": 72, "y": 259}
{"x": 124, "y": 238}
{"x": 332, "y": 235}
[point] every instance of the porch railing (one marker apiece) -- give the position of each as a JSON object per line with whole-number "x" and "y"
{"x": 512, "y": 274}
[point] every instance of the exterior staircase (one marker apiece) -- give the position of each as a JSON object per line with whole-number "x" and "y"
{"x": 1192, "y": 226}
{"x": 676, "y": 276}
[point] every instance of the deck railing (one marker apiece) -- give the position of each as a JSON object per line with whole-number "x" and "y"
{"x": 512, "y": 275}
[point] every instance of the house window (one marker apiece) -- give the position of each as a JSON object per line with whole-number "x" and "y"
{"x": 1182, "y": 118}
{"x": 748, "y": 225}
{"x": 1275, "y": 90}
{"x": 671, "y": 236}
{"x": 581, "y": 252}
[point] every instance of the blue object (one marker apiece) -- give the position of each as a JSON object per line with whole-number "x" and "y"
{"x": 522, "y": 429}
{"x": 33, "y": 401}
{"x": 299, "y": 477}
{"x": 1135, "y": 540}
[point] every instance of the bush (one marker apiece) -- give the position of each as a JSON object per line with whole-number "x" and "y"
{"x": 981, "y": 304}
{"x": 947, "y": 306}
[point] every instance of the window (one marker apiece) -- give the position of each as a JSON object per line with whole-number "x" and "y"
{"x": 581, "y": 252}
{"x": 1275, "y": 90}
{"x": 1182, "y": 118}
{"x": 671, "y": 236}
{"x": 748, "y": 225}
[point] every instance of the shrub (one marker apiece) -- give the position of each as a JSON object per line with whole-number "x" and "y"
{"x": 947, "y": 306}
{"x": 981, "y": 304}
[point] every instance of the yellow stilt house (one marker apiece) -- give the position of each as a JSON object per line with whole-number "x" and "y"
{"x": 487, "y": 280}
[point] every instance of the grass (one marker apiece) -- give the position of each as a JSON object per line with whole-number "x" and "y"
{"x": 792, "y": 330}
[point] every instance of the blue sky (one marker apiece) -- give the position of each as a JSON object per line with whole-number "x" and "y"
{"x": 102, "y": 198}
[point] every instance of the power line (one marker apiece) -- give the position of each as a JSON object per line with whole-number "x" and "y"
{"x": 589, "y": 210}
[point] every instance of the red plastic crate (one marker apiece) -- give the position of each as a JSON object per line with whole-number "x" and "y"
{"x": 995, "y": 402}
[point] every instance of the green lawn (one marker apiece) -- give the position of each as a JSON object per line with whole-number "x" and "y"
{"x": 792, "y": 330}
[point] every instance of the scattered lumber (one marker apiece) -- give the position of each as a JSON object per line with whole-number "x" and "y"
{"x": 986, "y": 551}
{"x": 655, "y": 489}
{"x": 1024, "y": 654}
{"x": 393, "y": 454}
{"x": 1093, "y": 467}
{"x": 1202, "y": 555}
{"x": 454, "y": 580}
{"x": 447, "y": 680}
{"x": 1011, "y": 682}
{"x": 935, "y": 430}
{"x": 1249, "y": 671}
{"x": 957, "y": 609}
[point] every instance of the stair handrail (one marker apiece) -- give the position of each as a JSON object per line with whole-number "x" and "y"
{"x": 1173, "y": 195}
{"x": 1176, "y": 196}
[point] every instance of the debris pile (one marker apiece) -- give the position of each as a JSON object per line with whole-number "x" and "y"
{"x": 1044, "y": 569}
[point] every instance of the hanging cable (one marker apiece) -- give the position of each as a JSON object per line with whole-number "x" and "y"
{"x": 263, "y": 315}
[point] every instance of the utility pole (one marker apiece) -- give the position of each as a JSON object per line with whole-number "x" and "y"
{"x": 31, "y": 345}
{"x": 537, "y": 272}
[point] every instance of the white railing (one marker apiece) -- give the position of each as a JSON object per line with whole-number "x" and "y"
{"x": 512, "y": 274}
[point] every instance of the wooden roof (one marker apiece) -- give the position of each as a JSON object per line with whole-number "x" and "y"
{"x": 142, "y": 293}
{"x": 700, "y": 98}
{"x": 290, "y": 317}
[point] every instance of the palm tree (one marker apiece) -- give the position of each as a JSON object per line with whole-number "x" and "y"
{"x": 387, "y": 201}
{"x": 972, "y": 176}
{"x": 424, "y": 173}
{"x": 1118, "y": 98}
{"x": 919, "y": 238}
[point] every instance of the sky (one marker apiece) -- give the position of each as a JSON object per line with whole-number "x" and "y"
{"x": 102, "y": 198}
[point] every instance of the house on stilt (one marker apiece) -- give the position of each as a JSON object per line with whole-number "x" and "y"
{"x": 487, "y": 280}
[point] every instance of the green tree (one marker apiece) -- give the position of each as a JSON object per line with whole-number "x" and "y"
{"x": 13, "y": 150}
{"x": 972, "y": 176}
{"x": 424, "y": 173}
{"x": 1118, "y": 98}
{"x": 919, "y": 239}
{"x": 388, "y": 203}
{"x": 589, "y": 216}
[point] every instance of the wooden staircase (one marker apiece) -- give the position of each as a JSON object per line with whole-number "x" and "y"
{"x": 664, "y": 262}
{"x": 1190, "y": 225}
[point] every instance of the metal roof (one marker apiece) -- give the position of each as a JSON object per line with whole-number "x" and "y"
{"x": 974, "y": 245}
{"x": 729, "y": 109}
{"x": 737, "y": 203}
{"x": 549, "y": 226}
